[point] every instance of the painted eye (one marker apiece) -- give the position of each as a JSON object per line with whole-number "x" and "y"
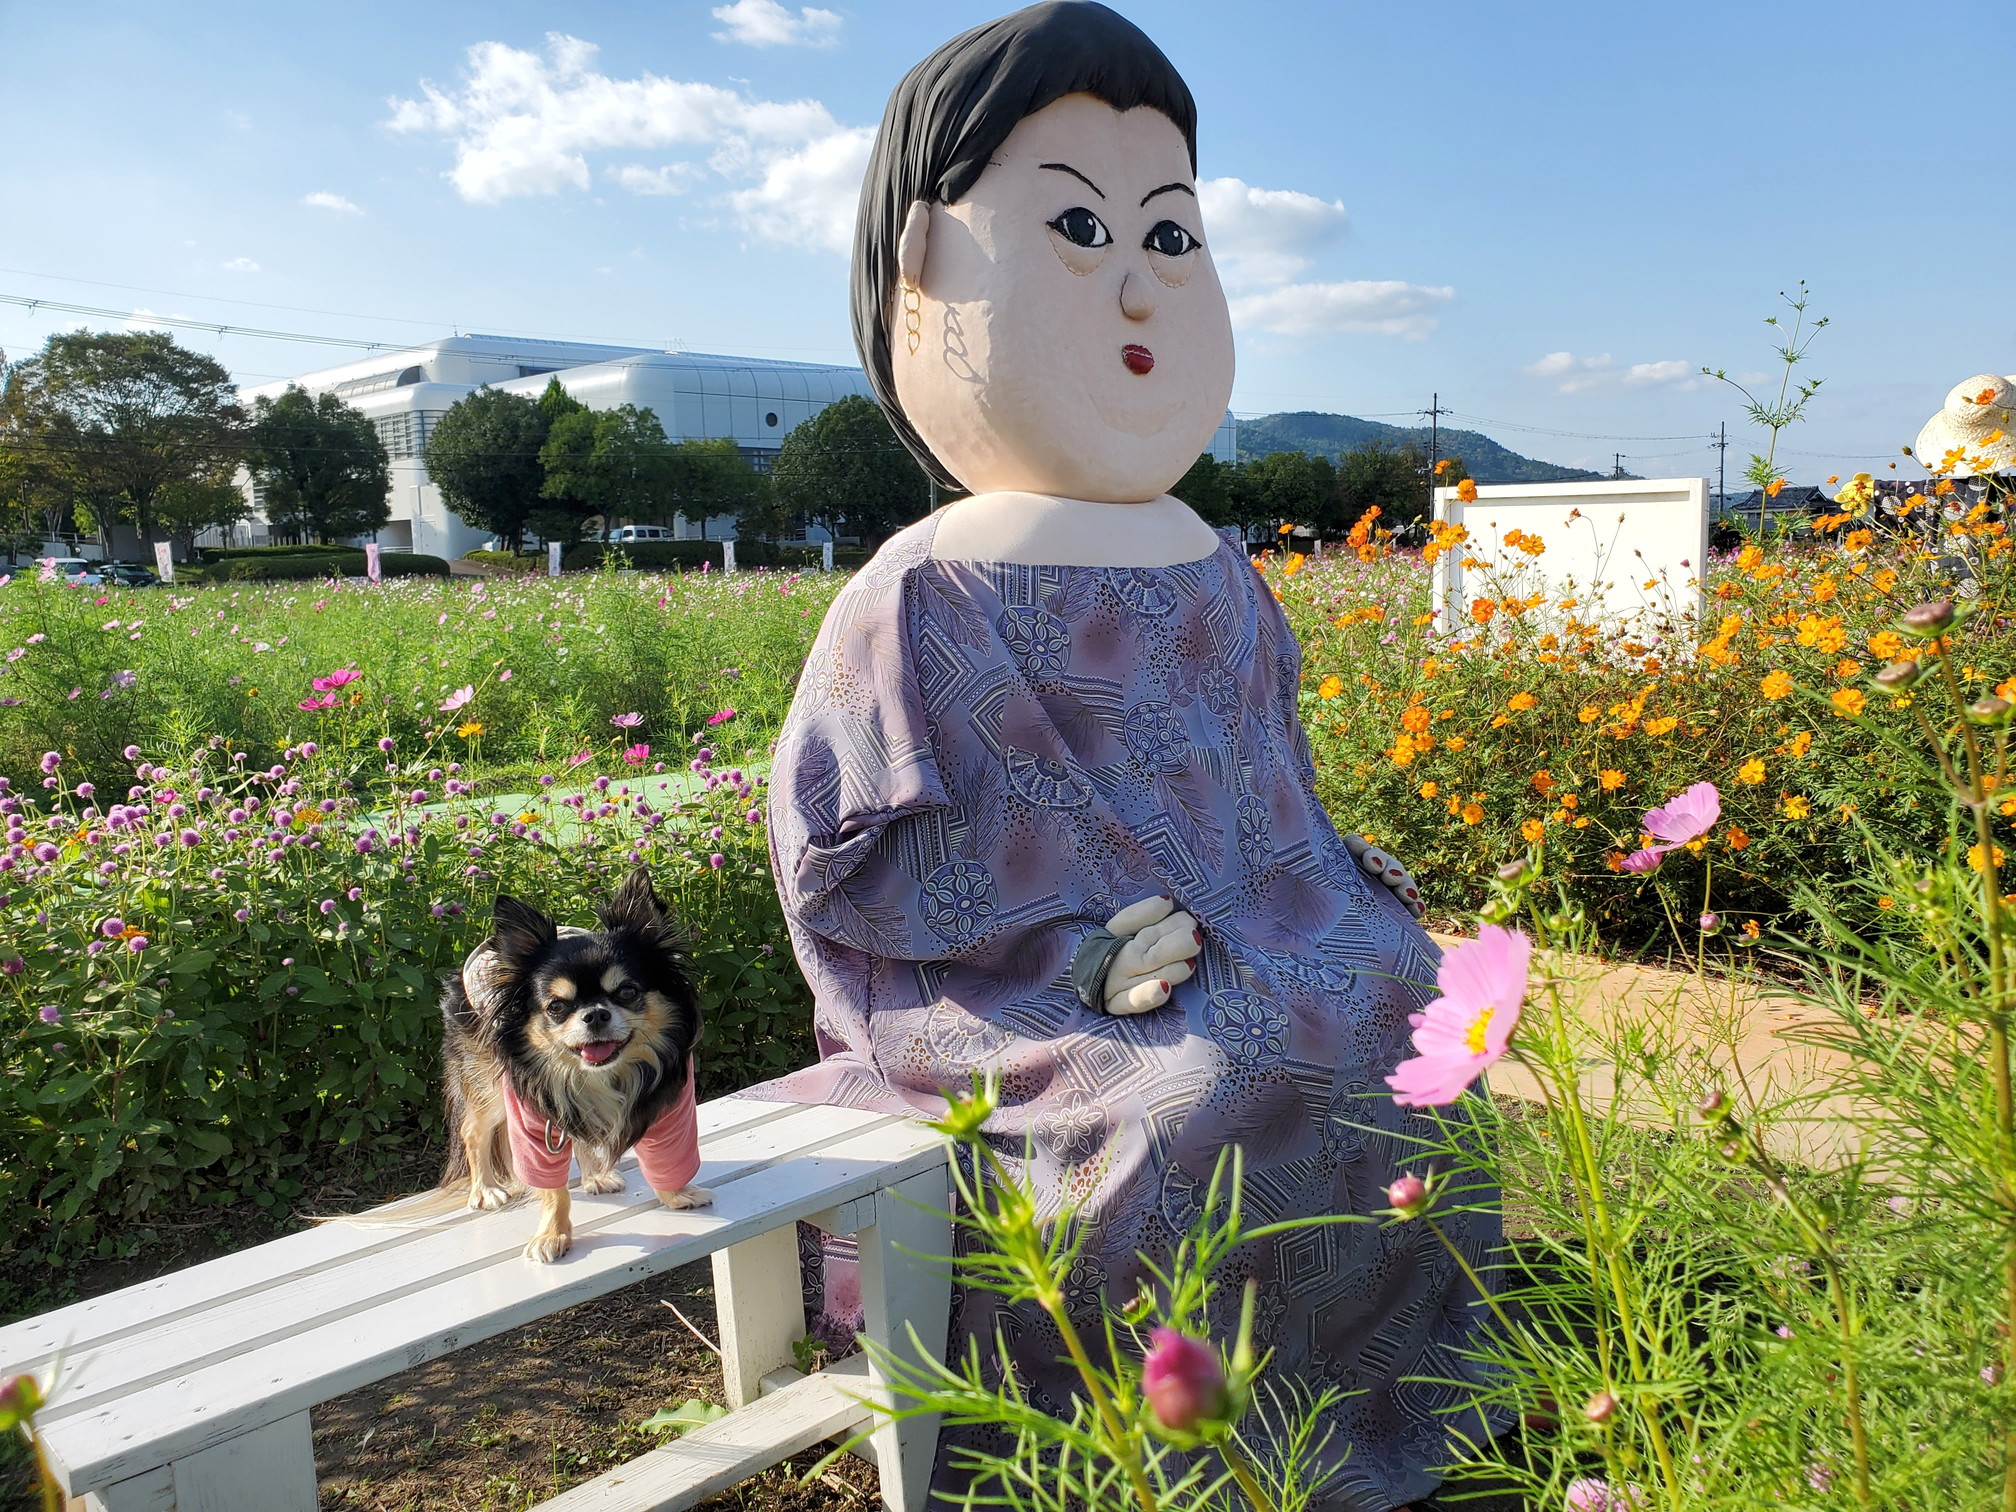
{"x": 1081, "y": 228}
{"x": 1170, "y": 239}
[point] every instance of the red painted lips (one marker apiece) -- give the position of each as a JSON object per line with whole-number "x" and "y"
{"x": 1138, "y": 358}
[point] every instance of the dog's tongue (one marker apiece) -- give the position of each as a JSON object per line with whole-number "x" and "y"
{"x": 596, "y": 1052}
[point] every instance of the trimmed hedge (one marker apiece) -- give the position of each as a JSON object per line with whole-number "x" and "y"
{"x": 661, "y": 554}
{"x": 282, "y": 563}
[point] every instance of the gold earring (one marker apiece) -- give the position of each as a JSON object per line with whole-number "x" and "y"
{"x": 913, "y": 318}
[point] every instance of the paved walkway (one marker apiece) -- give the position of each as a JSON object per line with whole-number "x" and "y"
{"x": 1743, "y": 1037}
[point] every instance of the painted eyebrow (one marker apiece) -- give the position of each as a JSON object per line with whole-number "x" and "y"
{"x": 1165, "y": 189}
{"x": 1067, "y": 168}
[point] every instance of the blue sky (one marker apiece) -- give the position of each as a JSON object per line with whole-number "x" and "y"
{"x": 1552, "y": 214}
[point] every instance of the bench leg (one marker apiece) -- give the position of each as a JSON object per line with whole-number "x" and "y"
{"x": 901, "y": 1292}
{"x": 269, "y": 1469}
{"x": 759, "y": 1306}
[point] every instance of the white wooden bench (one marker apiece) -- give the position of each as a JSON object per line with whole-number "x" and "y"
{"x": 191, "y": 1393}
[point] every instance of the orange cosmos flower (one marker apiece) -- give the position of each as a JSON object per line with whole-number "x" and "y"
{"x": 1776, "y": 685}
{"x": 1848, "y": 702}
{"x": 1467, "y": 491}
{"x": 1521, "y": 701}
{"x": 1611, "y": 778}
{"x": 1472, "y": 814}
{"x": 1751, "y": 772}
{"x": 1330, "y": 687}
{"x": 1532, "y": 830}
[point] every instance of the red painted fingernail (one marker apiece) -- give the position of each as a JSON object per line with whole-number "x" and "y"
{"x": 1197, "y": 935}
{"x": 1163, "y": 985}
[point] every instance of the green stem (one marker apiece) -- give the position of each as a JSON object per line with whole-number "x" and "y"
{"x": 1256, "y": 1496}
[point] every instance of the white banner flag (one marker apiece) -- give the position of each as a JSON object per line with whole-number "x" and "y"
{"x": 552, "y": 559}
{"x": 164, "y": 562}
{"x": 371, "y": 561}
{"x": 727, "y": 556}
{"x": 825, "y": 556}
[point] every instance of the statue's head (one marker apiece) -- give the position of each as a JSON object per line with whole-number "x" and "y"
{"x": 1033, "y": 299}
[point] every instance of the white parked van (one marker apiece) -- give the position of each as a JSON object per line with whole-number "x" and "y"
{"x": 626, "y": 533}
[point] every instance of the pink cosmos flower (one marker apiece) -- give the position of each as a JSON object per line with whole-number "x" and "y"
{"x": 1182, "y": 1380}
{"x": 1466, "y": 1029}
{"x": 579, "y": 757}
{"x": 311, "y": 705}
{"x": 637, "y": 755}
{"x": 342, "y": 677}
{"x": 457, "y": 699}
{"x": 1644, "y": 860}
{"x": 626, "y": 721}
{"x": 1688, "y": 817}
{"x": 721, "y": 718}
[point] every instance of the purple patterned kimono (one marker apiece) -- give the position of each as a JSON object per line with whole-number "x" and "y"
{"x": 985, "y": 760}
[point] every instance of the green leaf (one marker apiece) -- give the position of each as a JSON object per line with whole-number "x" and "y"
{"x": 688, "y": 1415}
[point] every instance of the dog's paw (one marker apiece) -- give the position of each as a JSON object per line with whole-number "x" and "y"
{"x": 600, "y": 1183}
{"x": 687, "y": 1197}
{"x": 546, "y": 1248}
{"x": 487, "y": 1198}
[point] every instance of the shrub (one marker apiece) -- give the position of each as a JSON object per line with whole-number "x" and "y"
{"x": 224, "y": 980}
{"x": 285, "y": 563}
{"x": 687, "y": 554}
{"x": 517, "y": 560}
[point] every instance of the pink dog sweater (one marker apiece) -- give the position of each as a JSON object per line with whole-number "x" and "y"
{"x": 668, "y": 1151}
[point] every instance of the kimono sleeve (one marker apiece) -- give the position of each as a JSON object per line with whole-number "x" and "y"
{"x": 856, "y": 757}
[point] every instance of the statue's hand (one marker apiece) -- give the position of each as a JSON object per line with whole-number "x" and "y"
{"x": 1381, "y": 865}
{"x": 1158, "y": 951}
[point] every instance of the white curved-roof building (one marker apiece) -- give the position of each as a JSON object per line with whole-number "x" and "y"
{"x": 753, "y": 401}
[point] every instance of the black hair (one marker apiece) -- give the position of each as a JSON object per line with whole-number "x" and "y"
{"x": 951, "y": 114}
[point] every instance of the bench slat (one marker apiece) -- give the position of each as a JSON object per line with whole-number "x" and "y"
{"x": 747, "y": 1442}
{"x": 360, "y": 1283}
{"x": 178, "y": 1413}
{"x": 91, "y": 1325}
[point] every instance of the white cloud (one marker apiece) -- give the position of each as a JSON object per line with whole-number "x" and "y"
{"x": 672, "y": 178}
{"x": 523, "y": 123}
{"x": 809, "y": 196}
{"x": 322, "y": 199}
{"x": 1263, "y": 239}
{"x": 765, "y": 23}
{"x": 1570, "y": 374}
{"x": 1384, "y": 307}
{"x": 240, "y": 265}
{"x": 1265, "y": 236}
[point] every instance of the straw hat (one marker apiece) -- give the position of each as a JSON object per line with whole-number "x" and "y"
{"x": 1974, "y": 410}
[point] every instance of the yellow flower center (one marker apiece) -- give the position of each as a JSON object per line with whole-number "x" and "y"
{"x": 1473, "y": 1038}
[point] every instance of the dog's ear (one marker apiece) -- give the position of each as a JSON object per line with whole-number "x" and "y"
{"x": 635, "y": 905}
{"x": 521, "y": 931}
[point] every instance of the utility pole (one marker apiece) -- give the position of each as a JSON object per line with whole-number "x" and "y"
{"x": 1721, "y": 445}
{"x": 1434, "y": 412}
{"x": 1617, "y": 464}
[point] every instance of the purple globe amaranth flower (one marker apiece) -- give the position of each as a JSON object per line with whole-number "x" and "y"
{"x": 51, "y": 1014}
{"x": 137, "y": 944}
{"x": 13, "y": 966}
{"x": 50, "y": 761}
{"x": 112, "y": 928}
{"x": 85, "y": 789}
{"x": 1183, "y": 1381}
{"x": 131, "y": 753}
{"x": 717, "y": 860}
{"x": 385, "y": 744}
{"x": 191, "y": 837}
{"x": 1709, "y": 922}
{"x": 46, "y": 852}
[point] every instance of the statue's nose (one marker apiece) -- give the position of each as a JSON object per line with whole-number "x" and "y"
{"x": 1137, "y": 300}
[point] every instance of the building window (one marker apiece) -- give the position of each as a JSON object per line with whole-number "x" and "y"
{"x": 405, "y": 435}
{"x": 770, "y": 418}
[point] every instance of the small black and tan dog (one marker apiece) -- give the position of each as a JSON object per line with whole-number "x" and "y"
{"x": 561, "y": 1041}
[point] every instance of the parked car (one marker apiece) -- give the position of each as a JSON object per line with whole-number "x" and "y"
{"x": 77, "y": 572}
{"x": 130, "y": 575}
{"x": 626, "y": 533}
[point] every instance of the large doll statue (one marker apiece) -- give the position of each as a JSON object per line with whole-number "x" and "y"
{"x": 1064, "y": 703}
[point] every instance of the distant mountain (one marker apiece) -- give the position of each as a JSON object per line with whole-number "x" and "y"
{"x": 1328, "y": 435}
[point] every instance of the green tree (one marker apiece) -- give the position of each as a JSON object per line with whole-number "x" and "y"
{"x": 121, "y": 419}
{"x": 1392, "y": 480}
{"x": 483, "y": 455}
{"x": 1290, "y": 487}
{"x": 612, "y": 463}
{"x": 844, "y": 469}
{"x": 711, "y": 477}
{"x": 1207, "y": 488}
{"x": 187, "y": 509}
{"x": 321, "y": 464}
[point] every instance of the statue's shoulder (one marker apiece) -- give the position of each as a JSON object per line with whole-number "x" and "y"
{"x": 899, "y": 556}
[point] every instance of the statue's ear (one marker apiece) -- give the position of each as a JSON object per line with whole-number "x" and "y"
{"x": 910, "y": 247}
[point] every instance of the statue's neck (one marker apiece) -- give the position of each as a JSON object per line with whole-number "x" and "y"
{"x": 1043, "y": 530}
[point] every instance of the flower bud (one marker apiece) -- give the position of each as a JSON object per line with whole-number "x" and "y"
{"x": 1990, "y": 711}
{"x": 1714, "y": 1106}
{"x": 20, "y": 1400}
{"x": 1600, "y": 1408}
{"x": 1709, "y": 922}
{"x": 1927, "y": 620}
{"x": 1408, "y": 1196}
{"x": 1182, "y": 1380}
{"x": 1898, "y": 676}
